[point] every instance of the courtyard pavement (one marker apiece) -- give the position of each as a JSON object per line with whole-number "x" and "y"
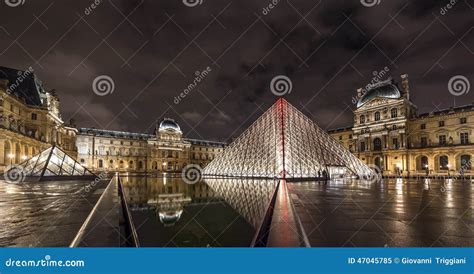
{"x": 45, "y": 214}
{"x": 394, "y": 213}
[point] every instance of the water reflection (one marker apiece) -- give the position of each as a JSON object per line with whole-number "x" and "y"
{"x": 169, "y": 212}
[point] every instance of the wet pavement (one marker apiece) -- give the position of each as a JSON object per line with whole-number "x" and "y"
{"x": 44, "y": 214}
{"x": 395, "y": 213}
{"x": 228, "y": 213}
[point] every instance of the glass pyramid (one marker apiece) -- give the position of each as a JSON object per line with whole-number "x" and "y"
{"x": 52, "y": 163}
{"x": 284, "y": 143}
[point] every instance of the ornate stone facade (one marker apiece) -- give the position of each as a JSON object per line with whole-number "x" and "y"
{"x": 29, "y": 118}
{"x": 390, "y": 134}
{"x": 164, "y": 151}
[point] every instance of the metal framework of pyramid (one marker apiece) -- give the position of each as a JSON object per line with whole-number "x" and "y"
{"x": 52, "y": 164}
{"x": 284, "y": 143}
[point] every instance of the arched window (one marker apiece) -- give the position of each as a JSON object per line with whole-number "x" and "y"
{"x": 394, "y": 113}
{"x": 362, "y": 119}
{"x": 362, "y": 146}
{"x": 424, "y": 163}
{"x": 443, "y": 162}
{"x": 140, "y": 164}
{"x": 377, "y": 116}
{"x": 466, "y": 163}
{"x": 377, "y": 144}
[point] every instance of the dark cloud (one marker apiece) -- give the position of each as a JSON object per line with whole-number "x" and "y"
{"x": 152, "y": 50}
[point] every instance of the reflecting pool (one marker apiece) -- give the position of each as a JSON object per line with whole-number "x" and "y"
{"x": 170, "y": 213}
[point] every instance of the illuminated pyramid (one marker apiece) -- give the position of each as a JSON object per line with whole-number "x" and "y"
{"x": 50, "y": 164}
{"x": 284, "y": 143}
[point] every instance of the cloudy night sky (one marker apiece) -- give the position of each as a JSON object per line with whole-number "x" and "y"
{"x": 152, "y": 49}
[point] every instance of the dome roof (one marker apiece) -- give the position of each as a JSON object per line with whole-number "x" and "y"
{"x": 170, "y": 218}
{"x": 169, "y": 124}
{"x": 385, "y": 89}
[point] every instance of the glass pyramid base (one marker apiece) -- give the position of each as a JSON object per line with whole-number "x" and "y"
{"x": 283, "y": 143}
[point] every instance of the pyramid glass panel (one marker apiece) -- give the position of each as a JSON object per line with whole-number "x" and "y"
{"x": 52, "y": 162}
{"x": 284, "y": 143}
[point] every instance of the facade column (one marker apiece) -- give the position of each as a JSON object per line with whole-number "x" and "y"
{"x": 2, "y": 153}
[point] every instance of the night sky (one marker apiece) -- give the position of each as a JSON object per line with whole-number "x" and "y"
{"x": 152, "y": 49}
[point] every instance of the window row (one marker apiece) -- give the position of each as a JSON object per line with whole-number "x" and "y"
{"x": 377, "y": 117}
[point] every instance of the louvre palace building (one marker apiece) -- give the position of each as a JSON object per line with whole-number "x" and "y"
{"x": 388, "y": 133}
{"x": 30, "y": 121}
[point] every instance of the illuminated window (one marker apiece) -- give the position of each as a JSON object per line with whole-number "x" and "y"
{"x": 442, "y": 139}
{"x": 464, "y": 138}
{"x": 394, "y": 113}
{"x": 377, "y": 116}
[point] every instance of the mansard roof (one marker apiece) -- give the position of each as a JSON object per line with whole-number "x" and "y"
{"x": 115, "y": 133}
{"x": 140, "y": 136}
{"x": 23, "y": 84}
{"x": 445, "y": 111}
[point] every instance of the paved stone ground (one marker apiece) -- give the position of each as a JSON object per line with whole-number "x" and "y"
{"x": 44, "y": 214}
{"x": 396, "y": 213}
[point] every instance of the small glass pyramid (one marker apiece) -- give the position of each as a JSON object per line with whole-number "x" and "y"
{"x": 53, "y": 163}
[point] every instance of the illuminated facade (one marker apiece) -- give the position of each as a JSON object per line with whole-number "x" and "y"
{"x": 284, "y": 143}
{"x": 30, "y": 121}
{"x": 390, "y": 134}
{"x": 164, "y": 151}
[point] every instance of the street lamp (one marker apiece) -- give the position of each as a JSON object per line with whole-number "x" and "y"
{"x": 11, "y": 155}
{"x": 24, "y": 157}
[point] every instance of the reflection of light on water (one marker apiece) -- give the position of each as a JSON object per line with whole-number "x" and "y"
{"x": 399, "y": 194}
{"x": 170, "y": 218}
{"x": 426, "y": 184}
{"x": 399, "y": 186}
{"x": 448, "y": 189}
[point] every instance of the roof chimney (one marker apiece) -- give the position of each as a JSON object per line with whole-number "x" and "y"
{"x": 405, "y": 86}
{"x": 4, "y": 84}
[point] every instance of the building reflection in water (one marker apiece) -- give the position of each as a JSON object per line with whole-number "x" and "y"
{"x": 167, "y": 196}
{"x": 250, "y": 198}
{"x": 213, "y": 212}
